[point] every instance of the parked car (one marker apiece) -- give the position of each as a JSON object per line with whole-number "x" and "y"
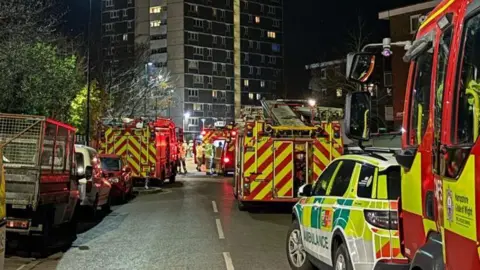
{"x": 118, "y": 173}
{"x": 94, "y": 187}
{"x": 348, "y": 219}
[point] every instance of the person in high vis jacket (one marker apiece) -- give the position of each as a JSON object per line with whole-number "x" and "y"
{"x": 182, "y": 151}
{"x": 199, "y": 155}
{"x": 209, "y": 157}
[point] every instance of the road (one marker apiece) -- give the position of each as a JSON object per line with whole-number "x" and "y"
{"x": 193, "y": 224}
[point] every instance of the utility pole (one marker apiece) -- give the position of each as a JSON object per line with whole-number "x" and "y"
{"x": 87, "y": 129}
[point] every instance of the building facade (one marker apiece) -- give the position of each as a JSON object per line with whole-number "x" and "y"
{"x": 404, "y": 23}
{"x": 218, "y": 51}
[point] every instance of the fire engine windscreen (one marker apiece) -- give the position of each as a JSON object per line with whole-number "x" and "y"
{"x": 111, "y": 164}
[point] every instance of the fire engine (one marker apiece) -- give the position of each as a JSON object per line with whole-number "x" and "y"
{"x": 440, "y": 156}
{"x": 221, "y": 132}
{"x": 277, "y": 152}
{"x": 150, "y": 148}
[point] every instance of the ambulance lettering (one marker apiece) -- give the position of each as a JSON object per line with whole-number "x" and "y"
{"x": 316, "y": 239}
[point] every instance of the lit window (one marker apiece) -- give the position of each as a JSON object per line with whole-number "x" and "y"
{"x": 125, "y": 37}
{"x": 214, "y": 93}
{"x": 156, "y": 9}
{"x": 197, "y": 107}
{"x": 262, "y": 83}
{"x": 214, "y": 12}
{"x": 156, "y": 23}
{"x": 271, "y": 34}
{"x": 339, "y": 92}
{"x": 245, "y": 82}
{"x": 250, "y": 96}
{"x": 259, "y": 96}
{"x": 257, "y": 19}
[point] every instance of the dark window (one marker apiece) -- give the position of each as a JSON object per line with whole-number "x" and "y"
{"x": 442, "y": 63}
{"x": 365, "y": 181}
{"x": 420, "y": 97}
{"x": 80, "y": 163}
{"x": 342, "y": 179}
{"x": 324, "y": 179}
{"x": 276, "y": 47}
{"x": 394, "y": 178}
{"x": 111, "y": 164}
{"x": 465, "y": 115}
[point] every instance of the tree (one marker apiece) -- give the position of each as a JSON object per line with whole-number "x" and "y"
{"x": 78, "y": 107}
{"x": 139, "y": 90}
{"x": 35, "y": 79}
{"x": 358, "y": 36}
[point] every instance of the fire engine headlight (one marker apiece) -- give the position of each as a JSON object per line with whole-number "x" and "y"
{"x": 114, "y": 180}
{"x": 226, "y": 160}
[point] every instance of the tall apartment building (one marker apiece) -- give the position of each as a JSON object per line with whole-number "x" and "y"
{"x": 213, "y": 49}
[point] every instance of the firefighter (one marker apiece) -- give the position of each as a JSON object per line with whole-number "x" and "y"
{"x": 199, "y": 154}
{"x": 181, "y": 155}
{"x": 208, "y": 151}
{"x": 218, "y": 157}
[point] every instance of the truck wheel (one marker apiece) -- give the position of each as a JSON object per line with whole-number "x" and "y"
{"x": 241, "y": 206}
{"x": 296, "y": 254}
{"x": 171, "y": 179}
{"x": 106, "y": 206}
{"x": 342, "y": 260}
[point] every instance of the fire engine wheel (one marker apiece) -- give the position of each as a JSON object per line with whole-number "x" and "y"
{"x": 296, "y": 254}
{"x": 242, "y": 206}
{"x": 342, "y": 260}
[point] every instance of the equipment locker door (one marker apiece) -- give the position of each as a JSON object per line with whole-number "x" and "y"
{"x": 283, "y": 176}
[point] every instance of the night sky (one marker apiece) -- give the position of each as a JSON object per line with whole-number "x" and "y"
{"x": 314, "y": 30}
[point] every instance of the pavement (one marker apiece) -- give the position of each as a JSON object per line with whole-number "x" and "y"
{"x": 192, "y": 224}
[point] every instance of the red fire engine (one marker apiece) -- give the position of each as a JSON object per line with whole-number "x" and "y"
{"x": 440, "y": 212}
{"x": 150, "y": 149}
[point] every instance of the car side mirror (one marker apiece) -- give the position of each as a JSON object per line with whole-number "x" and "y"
{"x": 360, "y": 66}
{"x": 305, "y": 190}
{"x": 88, "y": 172}
{"x": 357, "y": 116}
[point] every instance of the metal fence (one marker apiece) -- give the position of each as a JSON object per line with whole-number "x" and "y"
{"x": 20, "y": 138}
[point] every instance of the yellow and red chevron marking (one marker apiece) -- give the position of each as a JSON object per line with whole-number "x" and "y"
{"x": 263, "y": 148}
{"x": 283, "y": 178}
{"x": 387, "y": 250}
{"x": 337, "y": 142}
{"x": 133, "y": 157}
{"x": 321, "y": 158}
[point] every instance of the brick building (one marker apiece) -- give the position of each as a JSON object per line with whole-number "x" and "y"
{"x": 404, "y": 23}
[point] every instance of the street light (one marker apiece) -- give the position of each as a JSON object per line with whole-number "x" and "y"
{"x": 203, "y": 123}
{"x": 186, "y": 115}
{"x": 312, "y": 102}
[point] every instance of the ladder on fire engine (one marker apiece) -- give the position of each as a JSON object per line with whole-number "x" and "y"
{"x": 249, "y": 113}
{"x": 281, "y": 113}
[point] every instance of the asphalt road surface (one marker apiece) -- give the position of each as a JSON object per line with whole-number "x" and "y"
{"x": 193, "y": 224}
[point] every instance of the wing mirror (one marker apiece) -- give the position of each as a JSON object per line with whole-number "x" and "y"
{"x": 357, "y": 116}
{"x": 360, "y": 66}
{"x": 305, "y": 190}
{"x": 88, "y": 172}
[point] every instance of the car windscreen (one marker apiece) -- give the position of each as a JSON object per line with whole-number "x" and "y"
{"x": 394, "y": 178}
{"x": 111, "y": 164}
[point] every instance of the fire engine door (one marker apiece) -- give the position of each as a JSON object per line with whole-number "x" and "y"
{"x": 283, "y": 173}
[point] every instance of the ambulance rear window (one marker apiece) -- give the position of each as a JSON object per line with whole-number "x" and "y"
{"x": 393, "y": 182}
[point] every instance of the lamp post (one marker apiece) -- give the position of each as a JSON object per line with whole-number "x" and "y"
{"x": 186, "y": 116}
{"x": 87, "y": 128}
{"x": 203, "y": 123}
{"x": 147, "y": 85}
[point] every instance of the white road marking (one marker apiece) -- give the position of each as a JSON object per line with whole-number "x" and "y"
{"x": 228, "y": 260}
{"x": 214, "y": 205}
{"x": 219, "y": 229}
{"x": 21, "y": 267}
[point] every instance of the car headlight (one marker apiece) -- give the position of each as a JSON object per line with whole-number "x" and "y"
{"x": 114, "y": 180}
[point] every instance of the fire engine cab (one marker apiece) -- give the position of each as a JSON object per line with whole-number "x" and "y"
{"x": 150, "y": 148}
{"x": 439, "y": 206}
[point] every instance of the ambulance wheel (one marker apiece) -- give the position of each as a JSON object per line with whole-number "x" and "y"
{"x": 342, "y": 260}
{"x": 296, "y": 254}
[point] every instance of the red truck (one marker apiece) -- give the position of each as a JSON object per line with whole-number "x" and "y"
{"x": 149, "y": 148}
{"x": 42, "y": 190}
